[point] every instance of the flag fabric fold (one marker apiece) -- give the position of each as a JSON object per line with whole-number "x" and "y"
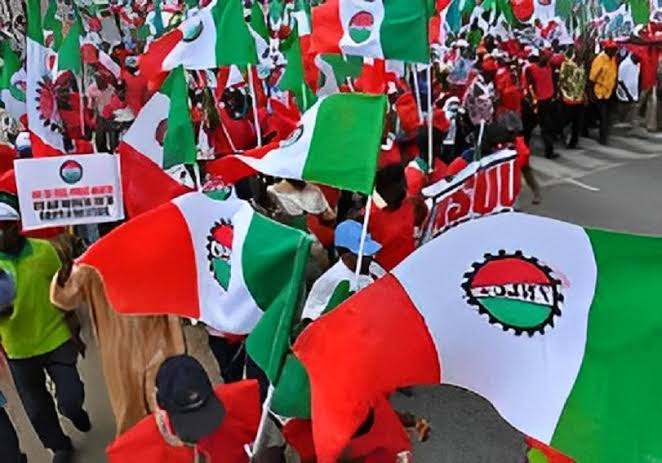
{"x": 552, "y": 323}
{"x": 11, "y": 94}
{"x": 216, "y": 36}
{"x": 219, "y": 262}
{"x": 337, "y": 144}
{"x": 44, "y": 121}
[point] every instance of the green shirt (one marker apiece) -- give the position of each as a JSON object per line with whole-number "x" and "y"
{"x": 36, "y": 326}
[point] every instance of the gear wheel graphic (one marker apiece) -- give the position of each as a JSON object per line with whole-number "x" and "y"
{"x": 554, "y": 297}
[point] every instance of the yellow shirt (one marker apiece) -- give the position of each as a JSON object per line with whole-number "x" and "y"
{"x": 604, "y": 73}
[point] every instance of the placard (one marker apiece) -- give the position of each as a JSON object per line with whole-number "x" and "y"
{"x": 69, "y": 190}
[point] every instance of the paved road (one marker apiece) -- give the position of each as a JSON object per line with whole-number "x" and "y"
{"x": 617, "y": 187}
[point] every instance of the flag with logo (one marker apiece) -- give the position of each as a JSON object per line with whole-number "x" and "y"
{"x": 555, "y": 324}
{"x": 216, "y": 36}
{"x": 44, "y": 121}
{"x": 12, "y": 80}
{"x": 386, "y": 29}
{"x": 216, "y": 261}
{"x": 160, "y": 140}
{"x": 337, "y": 144}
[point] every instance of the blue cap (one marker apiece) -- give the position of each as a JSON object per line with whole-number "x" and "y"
{"x": 7, "y": 289}
{"x": 348, "y": 235}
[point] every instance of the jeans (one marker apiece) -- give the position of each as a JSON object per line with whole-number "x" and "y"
{"x": 10, "y": 452}
{"x": 30, "y": 379}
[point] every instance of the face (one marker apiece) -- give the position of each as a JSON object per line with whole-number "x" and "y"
{"x": 10, "y": 236}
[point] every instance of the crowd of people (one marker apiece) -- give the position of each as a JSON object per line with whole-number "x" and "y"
{"x": 488, "y": 93}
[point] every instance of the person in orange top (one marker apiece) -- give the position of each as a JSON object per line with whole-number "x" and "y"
{"x": 195, "y": 422}
{"x": 603, "y": 77}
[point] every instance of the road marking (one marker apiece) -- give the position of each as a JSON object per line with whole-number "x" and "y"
{"x": 619, "y": 153}
{"x": 583, "y": 185}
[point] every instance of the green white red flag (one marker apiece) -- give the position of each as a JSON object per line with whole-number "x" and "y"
{"x": 44, "y": 121}
{"x": 216, "y": 36}
{"x": 219, "y": 262}
{"x": 161, "y": 139}
{"x": 12, "y": 93}
{"x": 555, "y": 324}
{"x": 385, "y": 29}
{"x": 337, "y": 144}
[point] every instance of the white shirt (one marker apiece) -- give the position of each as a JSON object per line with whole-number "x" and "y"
{"x": 325, "y": 286}
{"x": 628, "y": 76}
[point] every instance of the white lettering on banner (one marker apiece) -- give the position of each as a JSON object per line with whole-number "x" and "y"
{"x": 484, "y": 187}
{"x": 69, "y": 190}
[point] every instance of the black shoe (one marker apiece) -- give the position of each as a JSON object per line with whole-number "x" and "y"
{"x": 553, "y": 156}
{"x": 63, "y": 456}
{"x": 82, "y": 422}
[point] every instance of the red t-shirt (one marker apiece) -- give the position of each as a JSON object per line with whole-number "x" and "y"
{"x": 510, "y": 96}
{"x": 394, "y": 230}
{"x": 144, "y": 443}
{"x": 136, "y": 91}
{"x": 541, "y": 79}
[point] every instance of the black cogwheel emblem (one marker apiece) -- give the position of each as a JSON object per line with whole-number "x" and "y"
{"x": 515, "y": 291}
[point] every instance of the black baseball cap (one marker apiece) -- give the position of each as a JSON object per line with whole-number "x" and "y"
{"x": 184, "y": 391}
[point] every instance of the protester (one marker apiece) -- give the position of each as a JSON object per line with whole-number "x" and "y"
{"x": 603, "y": 77}
{"x": 194, "y": 421}
{"x": 540, "y": 84}
{"x": 36, "y": 338}
{"x": 336, "y": 284}
{"x": 11, "y": 451}
{"x": 627, "y": 89}
{"x": 131, "y": 348}
{"x": 572, "y": 86}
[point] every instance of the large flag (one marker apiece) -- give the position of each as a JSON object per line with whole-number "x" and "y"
{"x": 386, "y": 29}
{"x": 11, "y": 93}
{"x": 216, "y": 261}
{"x": 555, "y": 324}
{"x": 69, "y": 55}
{"x": 216, "y": 36}
{"x": 44, "y": 120}
{"x": 161, "y": 138}
{"x": 336, "y": 144}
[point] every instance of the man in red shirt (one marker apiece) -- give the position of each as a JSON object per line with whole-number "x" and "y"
{"x": 195, "y": 423}
{"x": 540, "y": 84}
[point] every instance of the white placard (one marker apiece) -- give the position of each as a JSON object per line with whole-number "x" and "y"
{"x": 69, "y": 190}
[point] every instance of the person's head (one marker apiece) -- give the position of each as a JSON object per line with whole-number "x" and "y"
{"x": 570, "y": 53}
{"x": 10, "y": 224}
{"x": 610, "y": 48}
{"x": 534, "y": 56}
{"x": 100, "y": 81}
{"x": 347, "y": 242}
{"x": 23, "y": 145}
{"x": 184, "y": 392}
{"x": 489, "y": 68}
{"x": 391, "y": 185}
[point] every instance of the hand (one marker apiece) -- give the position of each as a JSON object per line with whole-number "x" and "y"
{"x": 64, "y": 273}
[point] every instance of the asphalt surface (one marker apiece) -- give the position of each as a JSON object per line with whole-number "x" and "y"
{"x": 616, "y": 187}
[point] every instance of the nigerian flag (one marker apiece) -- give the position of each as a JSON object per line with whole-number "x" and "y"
{"x": 555, "y": 324}
{"x": 217, "y": 261}
{"x": 11, "y": 95}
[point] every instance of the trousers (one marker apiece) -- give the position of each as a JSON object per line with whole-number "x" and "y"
{"x": 10, "y": 450}
{"x": 30, "y": 379}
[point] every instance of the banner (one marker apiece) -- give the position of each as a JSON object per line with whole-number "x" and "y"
{"x": 484, "y": 187}
{"x": 69, "y": 190}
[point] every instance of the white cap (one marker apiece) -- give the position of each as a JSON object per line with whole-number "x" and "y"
{"x": 23, "y": 140}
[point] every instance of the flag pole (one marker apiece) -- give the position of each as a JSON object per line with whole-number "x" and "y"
{"x": 256, "y": 119}
{"x": 417, "y": 91}
{"x": 259, "y": 437}
{"x": 430, "y": 115}
{"x": 364, "y": 234}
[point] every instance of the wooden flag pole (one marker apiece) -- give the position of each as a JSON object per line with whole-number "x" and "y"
{"x": 430, "y": 116}
{"x": 256, "y": 119}
{"x": 259, "y": 437}
{"x": 364, "y": 234}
